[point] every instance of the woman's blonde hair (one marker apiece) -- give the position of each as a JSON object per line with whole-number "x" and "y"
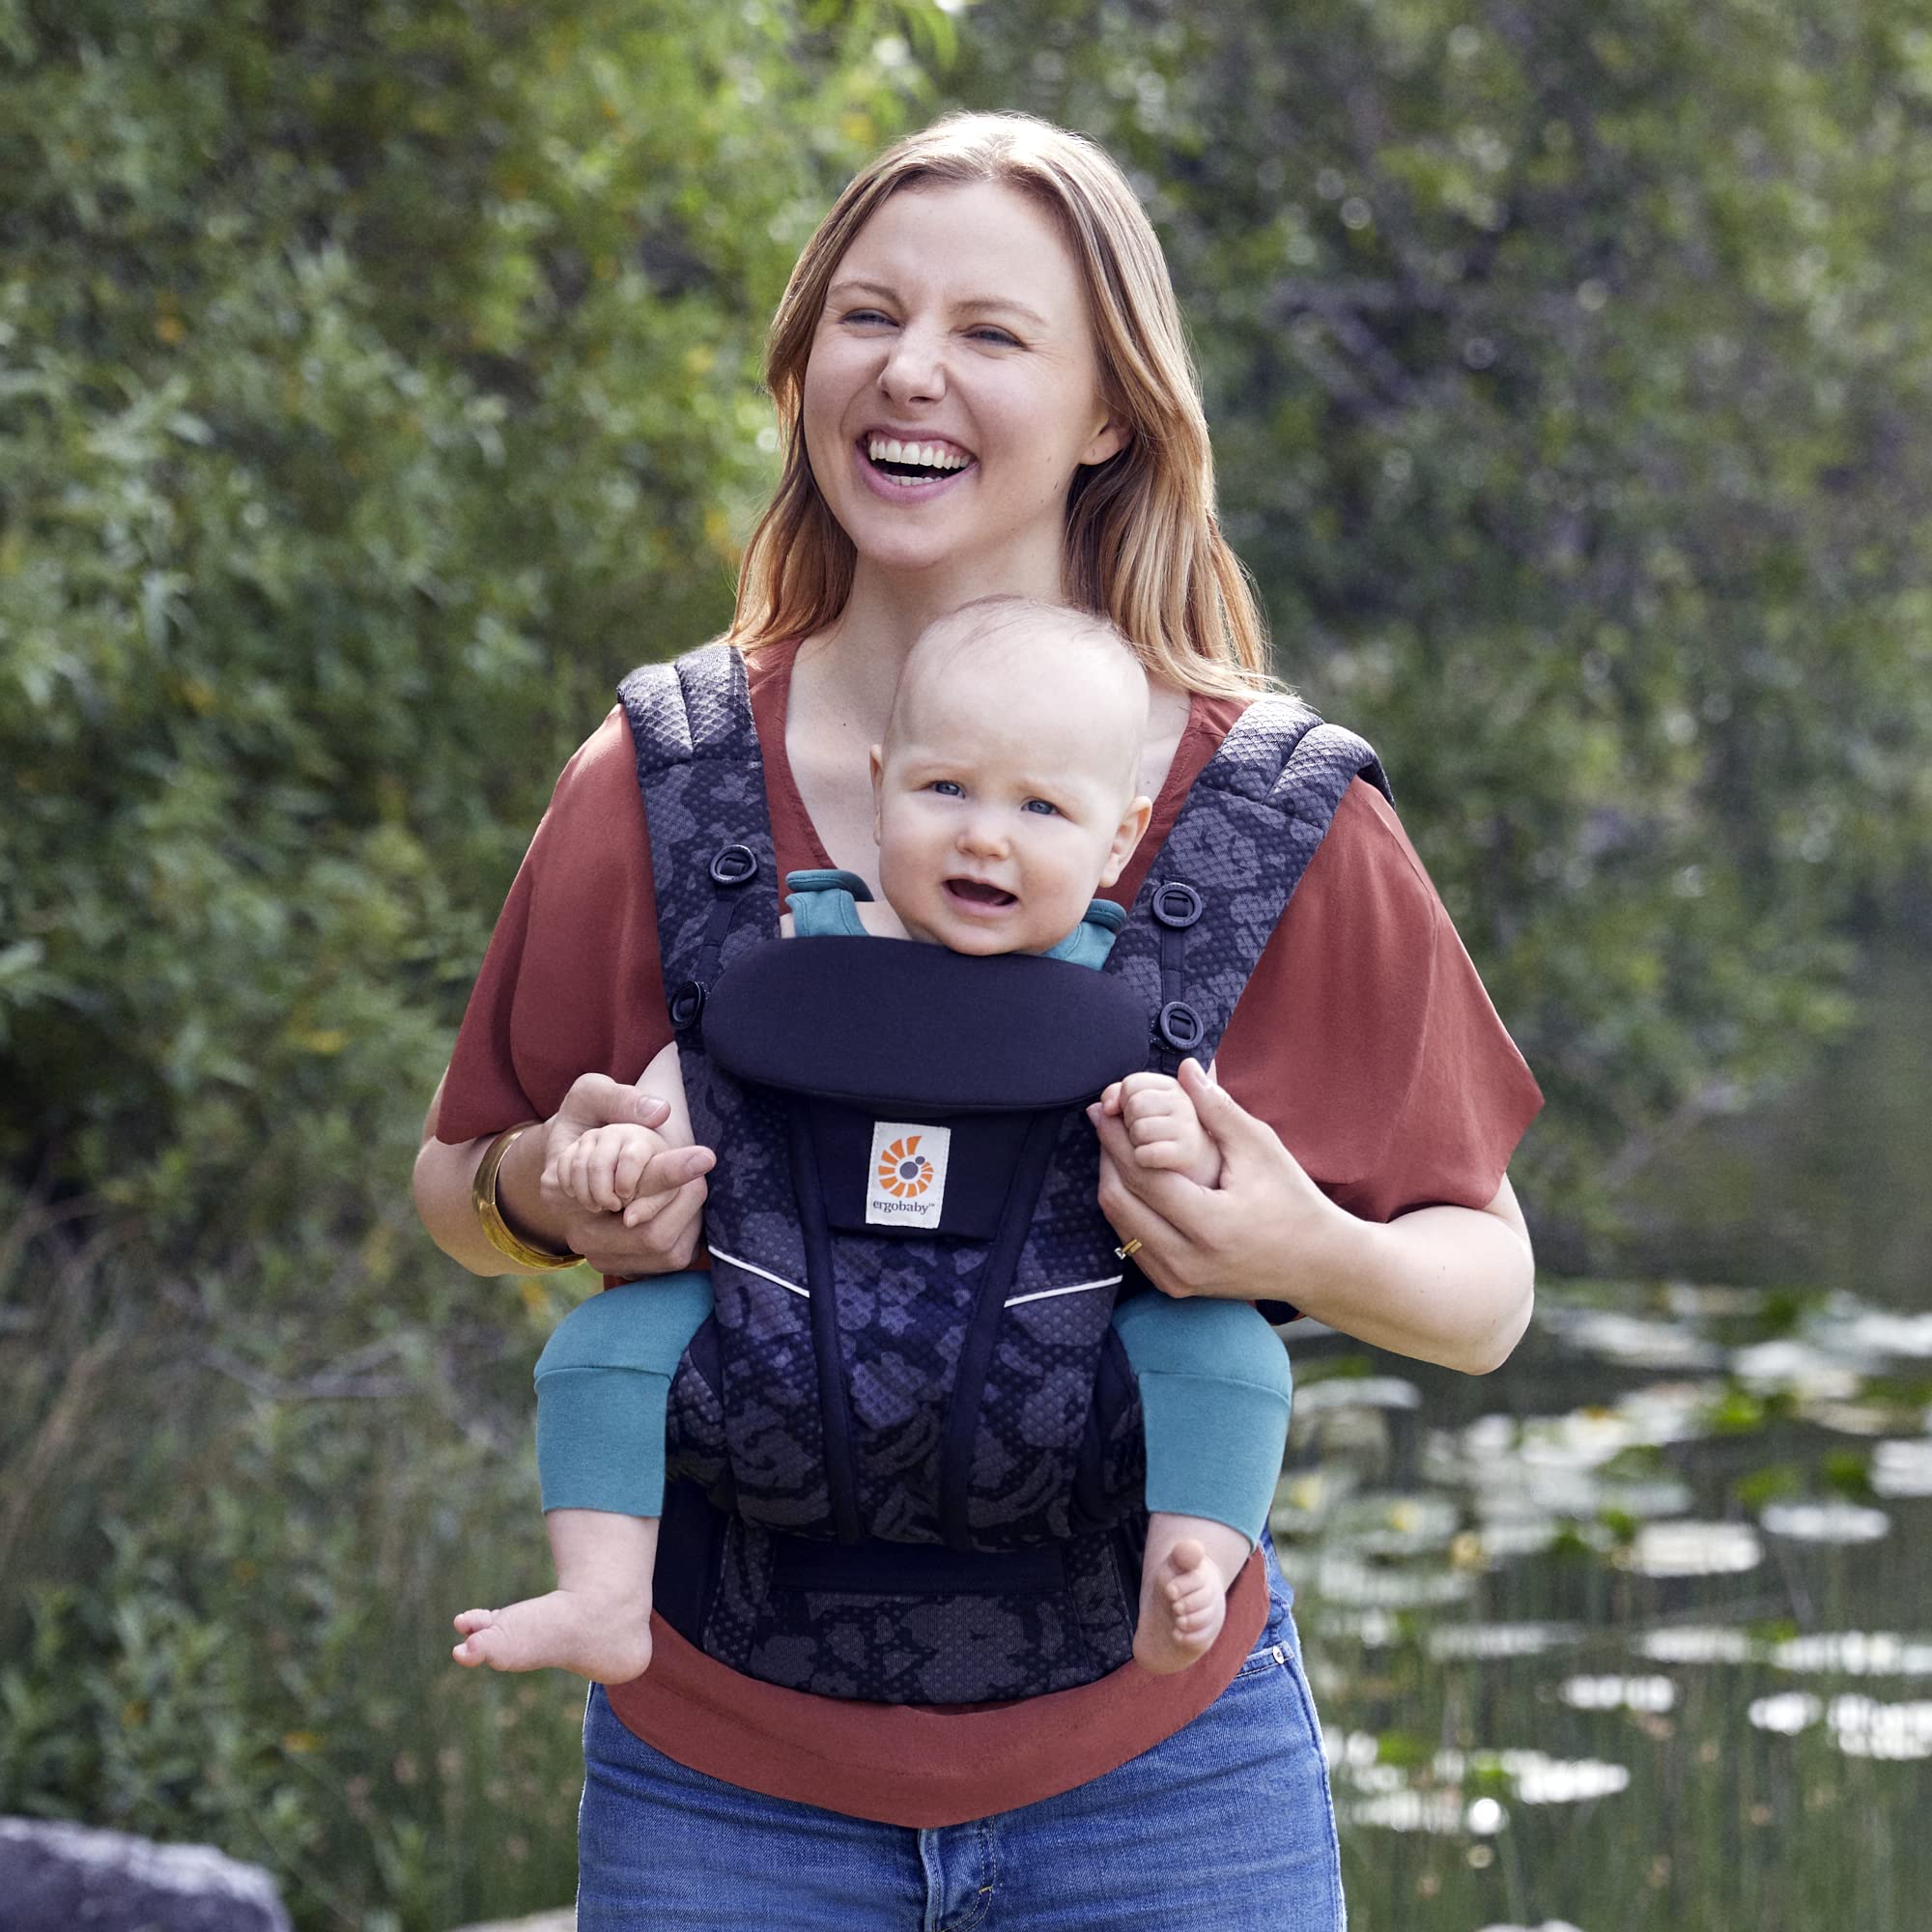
{"x": 1141, "y": 542}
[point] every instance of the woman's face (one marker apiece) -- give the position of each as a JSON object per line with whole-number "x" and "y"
{"x": 953, "y": 388}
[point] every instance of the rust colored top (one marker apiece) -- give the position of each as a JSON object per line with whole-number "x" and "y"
{"x": 1364, "y": 1039}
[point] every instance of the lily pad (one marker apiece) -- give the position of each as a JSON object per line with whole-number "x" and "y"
{"x": 1693, "y": 1550}
{"x": 1834, "y": 1520}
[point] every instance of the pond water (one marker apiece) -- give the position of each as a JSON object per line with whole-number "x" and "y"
{"x": 1636, "y": 1633}
{"x": 1823, "y": 1181}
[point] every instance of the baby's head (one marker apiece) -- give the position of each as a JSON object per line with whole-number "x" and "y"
{"x": 1007, "y": 792}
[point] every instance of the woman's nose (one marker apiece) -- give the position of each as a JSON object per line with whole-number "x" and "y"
{"x": 915, "y": 369}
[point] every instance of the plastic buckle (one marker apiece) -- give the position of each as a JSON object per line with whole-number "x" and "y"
{"x": 686, "y": 1003}
{"x": 1176, "y": 905}
{"x": 735, "y": 866}
{"x": 1180, "y": 1026}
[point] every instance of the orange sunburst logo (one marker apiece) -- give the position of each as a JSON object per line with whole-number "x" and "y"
{"x": 904, "y": 1173}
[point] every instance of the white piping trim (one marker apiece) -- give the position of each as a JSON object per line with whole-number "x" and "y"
{"x": 1040, "y": 1294}
{"x": 763, "y": 1274}
{"x": 1078, "y": 1288}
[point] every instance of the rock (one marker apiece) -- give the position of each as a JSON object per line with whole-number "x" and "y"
{"x": 58, "y": 1877}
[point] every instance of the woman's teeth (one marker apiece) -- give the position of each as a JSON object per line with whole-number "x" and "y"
{"x": 908, "y": 458}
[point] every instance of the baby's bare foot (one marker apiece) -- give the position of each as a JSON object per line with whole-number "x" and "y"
{"x": 1184, "y": 1603}
{"x": 606, "y": 1639}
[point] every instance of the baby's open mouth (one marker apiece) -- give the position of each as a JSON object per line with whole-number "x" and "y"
{"x": 978, "y": 893}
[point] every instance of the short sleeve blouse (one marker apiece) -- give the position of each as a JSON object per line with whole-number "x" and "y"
{"x": 1365, "y": 1038}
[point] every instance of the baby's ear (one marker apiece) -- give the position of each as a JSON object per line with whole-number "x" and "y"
{"x": 1127, "y": 834}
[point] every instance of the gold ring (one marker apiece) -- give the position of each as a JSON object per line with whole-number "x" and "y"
{"x": 1127, "y": 1253}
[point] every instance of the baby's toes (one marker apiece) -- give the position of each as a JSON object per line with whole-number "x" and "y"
{"x": 1192, "y": 1614}
{"x": 470, "y": 1621}
{"x": 491, "y": 1643}
{"x": 1189, "y": 1595}
{"x": 1195, "y": 1588}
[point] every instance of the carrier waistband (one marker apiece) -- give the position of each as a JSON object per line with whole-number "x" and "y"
{"x": 878, "y": 1569}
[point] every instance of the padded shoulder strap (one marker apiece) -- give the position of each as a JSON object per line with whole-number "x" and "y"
{"x": 702, "y": 778}
{"x": 1219, "y": 885}
{"x": 826, "y": 913}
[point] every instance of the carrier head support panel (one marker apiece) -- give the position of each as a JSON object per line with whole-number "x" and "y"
{"x": 907, "y": 1445}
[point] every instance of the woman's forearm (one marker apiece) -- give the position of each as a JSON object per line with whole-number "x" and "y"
{"x": 654, "y": 1234}
{"x": 441, "y": 1184}
{"x": 1448, "y": 1285}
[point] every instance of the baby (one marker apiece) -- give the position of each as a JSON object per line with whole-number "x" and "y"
{"x": 1006, "y": 794}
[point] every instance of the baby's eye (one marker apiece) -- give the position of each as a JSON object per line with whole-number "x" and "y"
{"x": 946, "y": 788}
{"x": 1045, "y": 805}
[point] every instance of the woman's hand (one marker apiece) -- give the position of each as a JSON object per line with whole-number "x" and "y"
{"x": 1253, "y": 1238}
{"x": 654, "y": 1232}
{"x": 1442, "y": 1284}
{"x": 656, "y": 1228}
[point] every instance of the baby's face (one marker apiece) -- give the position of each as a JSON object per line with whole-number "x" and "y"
{"x": 1001, "y": 809}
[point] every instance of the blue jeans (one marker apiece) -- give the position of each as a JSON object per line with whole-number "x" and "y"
{"x": 1225, "y": 1827}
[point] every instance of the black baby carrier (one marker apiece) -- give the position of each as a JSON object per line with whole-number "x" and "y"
{"x": 905, "y": 1452}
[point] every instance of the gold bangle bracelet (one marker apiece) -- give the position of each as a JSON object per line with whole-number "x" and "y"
{"x": 497, "y": 1230}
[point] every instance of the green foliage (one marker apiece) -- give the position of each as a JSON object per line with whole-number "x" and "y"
{"x": 1847, "y": 1472}
{"x": 227, "y": 1602}
{"x": 1774, "y": 1482}
{"x": 378, "y": 382}
{"x": 1567, "y": 370}
{"x": 375, "y": 384}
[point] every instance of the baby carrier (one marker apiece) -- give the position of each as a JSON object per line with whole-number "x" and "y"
{"x": 906, "y": 1450}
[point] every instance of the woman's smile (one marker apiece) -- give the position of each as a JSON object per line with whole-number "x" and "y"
{"x": 907, "y": 468}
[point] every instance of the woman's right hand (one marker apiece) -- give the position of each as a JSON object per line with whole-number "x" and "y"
{"x": 658, "y": 1230}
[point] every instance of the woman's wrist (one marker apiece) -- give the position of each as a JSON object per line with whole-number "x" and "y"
{"x": 1336, "y": 1263}
{"x": 520, "y": 1194}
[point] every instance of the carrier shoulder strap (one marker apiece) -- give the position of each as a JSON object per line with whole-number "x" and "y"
{"x": 702, "y": 776}
{"x": 1220, "y": 883}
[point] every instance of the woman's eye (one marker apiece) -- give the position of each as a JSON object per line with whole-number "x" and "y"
{"x": 867, "y": 315}
{"x": 986, "y": 332}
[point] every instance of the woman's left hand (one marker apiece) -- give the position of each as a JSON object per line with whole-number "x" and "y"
{"x": 1265, "y": 1229}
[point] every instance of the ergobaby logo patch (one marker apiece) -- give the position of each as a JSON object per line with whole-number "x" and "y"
{"x": 905, "y": 1186}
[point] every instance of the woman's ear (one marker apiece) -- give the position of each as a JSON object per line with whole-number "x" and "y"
{"x": 1109, "y": 440}
{"x": 875, "y": 756}
{"x": 1127, "y": 834}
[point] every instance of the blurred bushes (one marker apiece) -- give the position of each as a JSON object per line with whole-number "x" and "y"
{"x": 1567, "y": 370}
{"x": 375, "y": 384}
{"x": 378, "y": 382}
{"x": 225, "y": 1591}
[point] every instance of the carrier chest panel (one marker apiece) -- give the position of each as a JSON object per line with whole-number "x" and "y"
{"x": 963, "y": 1422}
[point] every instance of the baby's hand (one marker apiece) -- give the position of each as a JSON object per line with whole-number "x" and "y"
{"x": 1165, "y": 1130}
{"x": 605, "y": 1167}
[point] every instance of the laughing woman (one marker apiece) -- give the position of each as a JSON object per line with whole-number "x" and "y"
{"x": 983, "y": 380}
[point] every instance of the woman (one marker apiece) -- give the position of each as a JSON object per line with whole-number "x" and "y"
{"x": 985, "y": 385}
